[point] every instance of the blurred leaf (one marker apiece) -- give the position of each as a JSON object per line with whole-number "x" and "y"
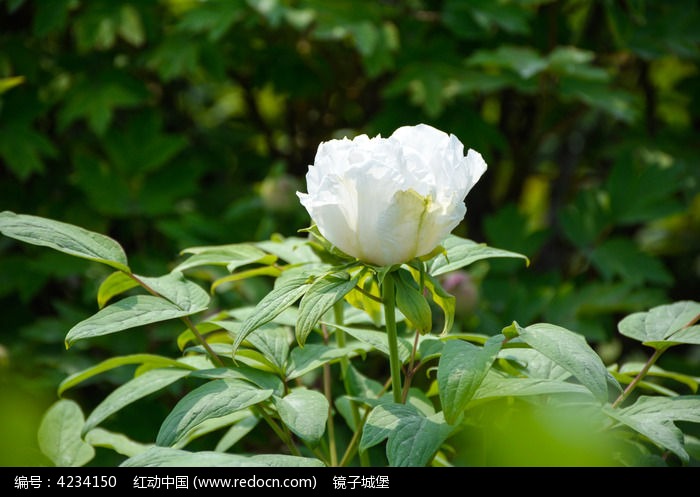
{"x": 95, "y": 99}
{"x": 508, "y": 227}
{"x": 141, "y": 147}
{"x": 9, "y": 83}
{"x": 169, "y": 457}
{"x": 642, "y": 193}
{"x": 60, "y": 435}
{"x": 621, "y": 257}
{"x": 583, "y": 220}
{"x": 488, "y": 15}
{"x": 524, "y": 61}
{"x": 575, "y": 62}
{"x": 619, "y": 104}
{"x": 23, "y": 149}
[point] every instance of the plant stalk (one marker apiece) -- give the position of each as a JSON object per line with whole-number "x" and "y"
{"x": 389, "y": 298}
{"x": 330, "y": 424}
{"x": 185, "y": 319}
{"x": 633, "y": 384}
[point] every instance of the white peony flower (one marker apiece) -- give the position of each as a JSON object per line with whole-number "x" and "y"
{"x": 388, "y": 200}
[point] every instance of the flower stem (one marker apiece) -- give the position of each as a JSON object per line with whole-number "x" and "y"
{"x": 284, "y": 436}
{"x": 185, "y": 319}
{"x": 338, "y": 314}
{"x": 633, "y": 384}
{"x": 330, "y": 424}
{"x": 411, "y": 370}
{"x": 389, "y": 298}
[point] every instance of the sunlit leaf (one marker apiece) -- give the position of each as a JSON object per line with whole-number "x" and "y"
{"x": 60, "y": 435}
{"x": 64, "y": 237}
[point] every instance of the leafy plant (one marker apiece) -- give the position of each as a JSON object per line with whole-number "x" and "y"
{"x": 270, "y": 367}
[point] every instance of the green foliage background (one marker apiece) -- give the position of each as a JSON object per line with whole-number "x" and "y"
{"x": 175, "y": 123}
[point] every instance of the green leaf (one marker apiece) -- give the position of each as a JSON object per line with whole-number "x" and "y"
{"x": 185, "y": 294}
{"x": 262, "y": 379}
{"x": 633, "y": 369}
{"x": 9, "y": 83}
{"x": 115, "y": 362}
{"x": 382, "y": 420}
{"x": 115, "y": 284}
{"x": 444, "y": 300}
{"x": 59, "y": 435}
{"x": 411, "y": 302}
{"x": 620, "y": 256}
{"x": 319, "y": 299}
{"x": 655, "y": 417}
{"x": 212, "y": 400}
{"x": 524, "y": 61}
{"x": 237, "y": 431}
{"x": 641, "y": 193}
{"x": 495, "y": 385}
{"x": 460, "y": 252}
{"x": 64, "y": 237}
{"x": 570, "y": 350}
{"x": 312, "y": 356}
{"x": 169, "y": 457}
{"x": 584, "y": 220}
{"x": 211, "y": 425}
{"x": 294, "y": 250}
{"x": 360, "y": 385}
{"x": 305, "y": 412}
{"x": 232, "y": 256}
{"x": 415, "y": 440}
{"x": 23, "y": 149}
{"x": 242, "y": 275}
{"x": 127, "y": 313}
{"x": 131, "y": 391}
{"x": 139, "y": 146}
{"x": 461, "y": 370}
{"x": 284, "y": 294}
{"x": 273, "y": 342}
{"x": 95, "y": 98}
{"x": 119, "y": 443}
{"x": 378, "y": 340}
{"x": 663, "y": 326}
